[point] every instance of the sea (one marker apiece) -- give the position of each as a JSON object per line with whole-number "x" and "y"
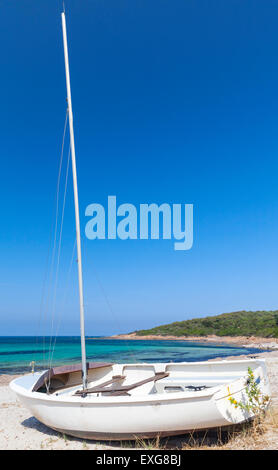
{"x": 18, "y": 352}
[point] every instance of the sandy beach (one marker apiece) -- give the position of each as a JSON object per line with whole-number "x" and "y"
{"x": 20, "y": 430}
{"x": 253, "y": 341}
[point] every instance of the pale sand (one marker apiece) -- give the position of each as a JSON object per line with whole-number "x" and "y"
{"x": 19, "y": 430}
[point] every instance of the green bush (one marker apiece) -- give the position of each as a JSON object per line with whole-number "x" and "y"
{"x": 256, "y": 403}
{"x": 260, "y": 323}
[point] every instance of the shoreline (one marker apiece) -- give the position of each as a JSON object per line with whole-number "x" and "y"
{"x": 265, "y": 344}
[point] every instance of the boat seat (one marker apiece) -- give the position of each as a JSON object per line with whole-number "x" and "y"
{"x": 124, "y": 389}
{"x": 102, "y": 386}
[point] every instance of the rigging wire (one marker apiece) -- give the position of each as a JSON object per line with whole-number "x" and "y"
{"x": 59, "y": 255}
{"x": 62, "y": 310}
{"x": 112, "y": 312}
{"x": 46, "y": 295}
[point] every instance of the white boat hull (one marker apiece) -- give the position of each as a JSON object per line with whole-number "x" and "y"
{"x": 147, "y": 412}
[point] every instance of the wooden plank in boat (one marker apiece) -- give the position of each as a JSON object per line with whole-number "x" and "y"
{"x": 76, "y": 367}
{"x": 114, "y": 379}
{"x": 123, "y": 389}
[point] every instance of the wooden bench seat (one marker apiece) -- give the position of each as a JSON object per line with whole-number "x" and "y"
{"x": 121, "y": 389}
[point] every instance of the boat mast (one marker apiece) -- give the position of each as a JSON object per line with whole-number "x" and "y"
{"x": 77, "y": 221}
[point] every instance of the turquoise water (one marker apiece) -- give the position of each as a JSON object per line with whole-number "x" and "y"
{"x": 16, "y": 353}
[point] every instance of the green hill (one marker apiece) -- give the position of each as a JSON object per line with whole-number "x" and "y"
{"x": 260, "y": 323}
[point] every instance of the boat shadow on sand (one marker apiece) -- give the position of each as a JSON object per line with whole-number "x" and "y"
{"x": 33, "y": 423}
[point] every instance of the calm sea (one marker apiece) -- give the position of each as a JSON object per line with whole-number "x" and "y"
{"x": 16, "y": 353}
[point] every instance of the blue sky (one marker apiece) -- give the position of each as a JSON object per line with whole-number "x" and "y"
{"x": 173, "y": 102}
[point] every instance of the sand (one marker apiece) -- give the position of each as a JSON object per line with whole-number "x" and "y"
{"x": 20, "y": 430}
{"x": 248, "y": 341}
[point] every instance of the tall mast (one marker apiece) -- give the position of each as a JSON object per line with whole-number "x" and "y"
{"x": 77, "y": 221}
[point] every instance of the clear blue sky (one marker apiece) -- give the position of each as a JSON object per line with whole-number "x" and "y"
{"x": 174, "y": 101}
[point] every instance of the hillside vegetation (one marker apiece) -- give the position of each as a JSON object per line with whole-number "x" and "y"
{"x": 260, "y": 323}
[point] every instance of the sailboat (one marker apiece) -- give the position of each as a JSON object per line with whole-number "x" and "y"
{"x": 107, "y": 401}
